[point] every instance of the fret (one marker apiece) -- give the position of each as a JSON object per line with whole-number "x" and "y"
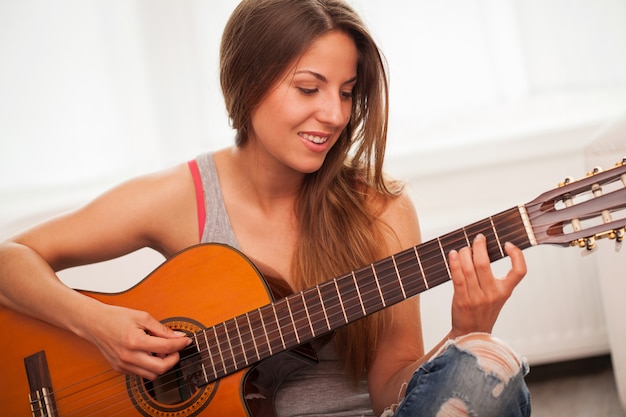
{"x": 349, "y": 294}
{"x": 340, "y": 298}
{"x": 256, "y": 348}
{"x": 456, "y": 240}
{"x": 293, "y": 322}
{"x": 512, "y": 228}
{"x": 209, "y": 352}
{"x": 315, "y": 311}
{"x": 204, "y": 372}
{"x": 358, "y": 292}
{"x": 390, "y": 287}
{"x": 286, "y": 325}
{"x": 267, "y": 337}
{"x": 243, "y": 345}
{"x": 395, "y": 267}
{"x": 236, "y": 349}
{"x": 495, "y": 233}
{"x": 230, "y": 345}
{"x": 301, "y": 318}
{"x": 486, "y": 227}
{"x": 319, "y": 294}
{"x": 203, "y": 353}
{"x": 467, "y": 240}
{"x": 444, "y": 257}
{"x": 308, "y": 316}
{"x": 419, "y": 263}
{"x": 369, "y": 290}
{"x": 258, "y": 333}
{"x": 332, "y": 304}
{"x": 380, "y": 292}
{"x": 431, "y": 258}
{"x": 280, "y": 332}
{"x": 218, "y": 337}
{"x": 409, "y": 272}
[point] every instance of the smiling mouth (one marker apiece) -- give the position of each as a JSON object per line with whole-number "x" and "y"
{"x": 315, "y": 139}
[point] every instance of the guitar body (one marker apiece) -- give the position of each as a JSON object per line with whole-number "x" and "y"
{"x": 191, "y": 291}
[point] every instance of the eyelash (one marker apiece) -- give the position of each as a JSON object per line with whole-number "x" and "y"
{"x": 311, "y": 91}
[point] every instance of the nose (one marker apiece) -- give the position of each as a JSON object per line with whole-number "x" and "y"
{"x": 334, "y": 110}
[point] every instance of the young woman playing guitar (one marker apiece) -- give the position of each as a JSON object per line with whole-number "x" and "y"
{"x": 303, "y": 195}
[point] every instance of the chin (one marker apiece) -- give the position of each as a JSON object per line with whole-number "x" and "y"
{"x": 311, "y": 168}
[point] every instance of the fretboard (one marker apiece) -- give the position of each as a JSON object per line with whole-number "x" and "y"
{"x": 244, "y": 340}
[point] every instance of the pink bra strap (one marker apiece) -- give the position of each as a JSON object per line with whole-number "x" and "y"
{"x": 197, "y": 182}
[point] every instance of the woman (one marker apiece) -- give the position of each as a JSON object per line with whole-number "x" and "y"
{"x": 302, "y": 194}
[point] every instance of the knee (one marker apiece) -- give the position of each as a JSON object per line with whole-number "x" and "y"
{"x": 492, "y": 355}
{"x": 495, "y": 358}
{"x": 475, "y": 374}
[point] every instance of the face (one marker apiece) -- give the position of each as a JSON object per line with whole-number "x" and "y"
{"x": 302, "y": 116}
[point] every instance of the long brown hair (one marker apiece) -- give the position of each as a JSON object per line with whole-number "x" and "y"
{"x": 339, "y": 204}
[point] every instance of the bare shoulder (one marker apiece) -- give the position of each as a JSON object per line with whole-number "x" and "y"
{"x": 155, "y": 210}
{"x": 400, "y": 216}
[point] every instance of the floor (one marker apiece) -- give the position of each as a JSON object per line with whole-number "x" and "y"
{"x": 583, "y": 388}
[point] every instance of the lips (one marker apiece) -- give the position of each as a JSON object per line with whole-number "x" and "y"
{"x": 314, "y": 138}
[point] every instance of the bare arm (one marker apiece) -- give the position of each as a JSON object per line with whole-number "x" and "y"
{"x": 156, "y": 211}
{"x": 476, "y": 304}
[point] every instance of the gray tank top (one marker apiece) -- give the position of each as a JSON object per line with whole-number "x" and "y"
{"x": 321, "y": 390}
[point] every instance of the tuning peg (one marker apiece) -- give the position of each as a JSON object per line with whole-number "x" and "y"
{"x": 594, "y": 171}
{"x": 566, "y": 181}
{"x": 618, "y": 235}
{"x": 588, "y": 243}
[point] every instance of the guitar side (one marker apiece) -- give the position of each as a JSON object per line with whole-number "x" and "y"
{"x": 195, "y": 288}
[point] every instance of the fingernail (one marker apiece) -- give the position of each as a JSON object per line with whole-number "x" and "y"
{"x": 177, "y": 333}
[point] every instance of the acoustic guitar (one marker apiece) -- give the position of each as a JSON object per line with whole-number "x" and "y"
{"x": 244, "y": 341}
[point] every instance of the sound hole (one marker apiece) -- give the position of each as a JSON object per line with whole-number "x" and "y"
{"x": 181, "y": 382}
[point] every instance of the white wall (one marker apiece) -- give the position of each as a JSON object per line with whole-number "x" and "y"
{"x": 493, "y": 101}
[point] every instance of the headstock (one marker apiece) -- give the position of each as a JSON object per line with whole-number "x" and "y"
{"x": 579, "y": 212}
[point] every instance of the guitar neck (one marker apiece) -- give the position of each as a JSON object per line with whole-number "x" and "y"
{"x": 244, "y": 340}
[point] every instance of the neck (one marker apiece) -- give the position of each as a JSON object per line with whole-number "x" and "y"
{"x": 264, "y": 178}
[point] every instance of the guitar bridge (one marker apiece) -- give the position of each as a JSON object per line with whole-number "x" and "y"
{"x": 41, "y": 397}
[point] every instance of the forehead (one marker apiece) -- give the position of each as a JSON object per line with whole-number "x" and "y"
{"x": 333, "y": 54}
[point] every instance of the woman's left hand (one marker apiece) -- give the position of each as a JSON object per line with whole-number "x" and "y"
{"x": 478, "y": 294}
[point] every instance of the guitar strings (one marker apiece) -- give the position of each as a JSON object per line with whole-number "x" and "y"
{"x": 368, "y": 294}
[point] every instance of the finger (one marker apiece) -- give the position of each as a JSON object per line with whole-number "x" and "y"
{"x": 482, "y": 263}
{"x": 156, "y": 328}
{"x": 456, "y": 274}
{"x": 518, "y": 264}
{"x": 162, "y": 339}
{"x": 151, "y": 366}
{"x": 156, "y": 344}
{"x": 466, "y": 256}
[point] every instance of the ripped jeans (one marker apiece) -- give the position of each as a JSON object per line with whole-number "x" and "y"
{"x": 475, "y": 375}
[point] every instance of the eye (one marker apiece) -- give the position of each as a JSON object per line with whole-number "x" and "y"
{"x": 308, "y": 91}
{"x": 348, "y": 95}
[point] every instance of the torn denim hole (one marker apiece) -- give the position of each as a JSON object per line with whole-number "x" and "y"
{"x": 492, "y": 355}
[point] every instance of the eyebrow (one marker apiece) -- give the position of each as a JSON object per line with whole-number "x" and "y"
{"x": 322, "y": 77}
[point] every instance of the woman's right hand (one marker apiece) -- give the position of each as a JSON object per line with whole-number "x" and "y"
{"x": 134, "y": 342}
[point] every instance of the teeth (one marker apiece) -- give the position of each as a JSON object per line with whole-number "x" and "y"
{"x": 314, "y": 139}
